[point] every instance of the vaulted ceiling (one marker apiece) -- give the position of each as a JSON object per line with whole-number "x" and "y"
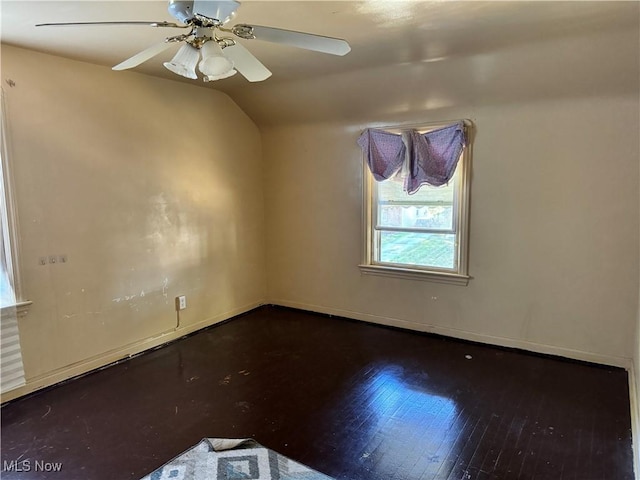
{"x": 388, "y": 38}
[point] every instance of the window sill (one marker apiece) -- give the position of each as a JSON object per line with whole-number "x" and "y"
{"x": 414, "y": 274}
{"x": 21, "y": 308}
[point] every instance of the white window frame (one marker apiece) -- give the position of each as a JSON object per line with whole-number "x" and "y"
{"x": 9, "y": 219}
{"x": 459, "y": 275}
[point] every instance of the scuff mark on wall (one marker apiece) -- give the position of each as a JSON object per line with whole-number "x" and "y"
{"x": 71, "y": 315}
{"x": 124, "y": 299}
{"x": 161, "y": 290}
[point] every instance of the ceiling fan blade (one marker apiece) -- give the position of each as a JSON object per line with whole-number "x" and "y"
{"x": 308, "y": 41}
{"x": 243, "y": 61}
{"x": 144, "y": 55}
{"x": 76, "y": 24}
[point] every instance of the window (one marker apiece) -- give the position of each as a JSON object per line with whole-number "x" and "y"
{"x": 10, "y": 293}
{"x": 421, "y": 235}
{"x": 12, "y": 305}
{"x": 7, "y": 293}
{"x": 7, "y": 290}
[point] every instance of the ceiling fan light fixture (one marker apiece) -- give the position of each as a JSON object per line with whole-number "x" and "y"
{"x": 184, "y": 62}
{"x": 205, "y": 20}
{"x": 213, "y": 78}
{"x": 215, "y": 65}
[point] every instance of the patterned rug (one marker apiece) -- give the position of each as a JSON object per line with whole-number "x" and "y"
{"x": 233, "y": 459}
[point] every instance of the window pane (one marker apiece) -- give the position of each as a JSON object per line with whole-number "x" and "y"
{"x": 6, "y": 291}
{"x": 435, "y": 217}
{"x": 420, "y": 249}
{"x": 430, "y": 207}
{"x": 391, "y": 191}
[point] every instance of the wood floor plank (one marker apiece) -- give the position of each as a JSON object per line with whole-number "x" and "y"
{"x": 353, "y": 400}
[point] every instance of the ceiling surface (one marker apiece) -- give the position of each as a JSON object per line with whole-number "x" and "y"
{"x": 382, "y": 34}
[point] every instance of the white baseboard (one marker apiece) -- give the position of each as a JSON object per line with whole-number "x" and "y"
{"x": 622, "y": 362}
{"x": 93, "y": 363}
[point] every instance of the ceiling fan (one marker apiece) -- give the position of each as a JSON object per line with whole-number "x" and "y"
{"x": 211, "y": 45}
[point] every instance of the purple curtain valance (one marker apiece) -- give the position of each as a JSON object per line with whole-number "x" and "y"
{"x": 385, "y": 152}
{"x": 429, "y": 158}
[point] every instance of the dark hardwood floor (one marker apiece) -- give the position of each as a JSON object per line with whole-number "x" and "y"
{"x": 352, "y": 400}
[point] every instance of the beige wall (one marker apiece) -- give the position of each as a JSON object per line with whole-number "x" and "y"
{"x": 155, "y": 188}
{"x": 554, "y": 215}
{"x": 151, "y": 188}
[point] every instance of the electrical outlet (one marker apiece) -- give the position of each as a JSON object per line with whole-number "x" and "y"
{"x": 181, "y": 302}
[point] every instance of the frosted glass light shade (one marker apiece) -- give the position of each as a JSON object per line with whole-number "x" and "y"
{"x": 214, "y": 64}
{"x": 184, "y": 62}
{"x": 212, "y": 78}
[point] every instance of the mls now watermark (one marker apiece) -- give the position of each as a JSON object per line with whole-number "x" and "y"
{"x": 31, "y": 466}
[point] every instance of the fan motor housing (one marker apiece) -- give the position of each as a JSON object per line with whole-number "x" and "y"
{"x": 220, "y": 10}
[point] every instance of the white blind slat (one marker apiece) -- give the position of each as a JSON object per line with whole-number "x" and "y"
{"x": 11, "y": 367}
